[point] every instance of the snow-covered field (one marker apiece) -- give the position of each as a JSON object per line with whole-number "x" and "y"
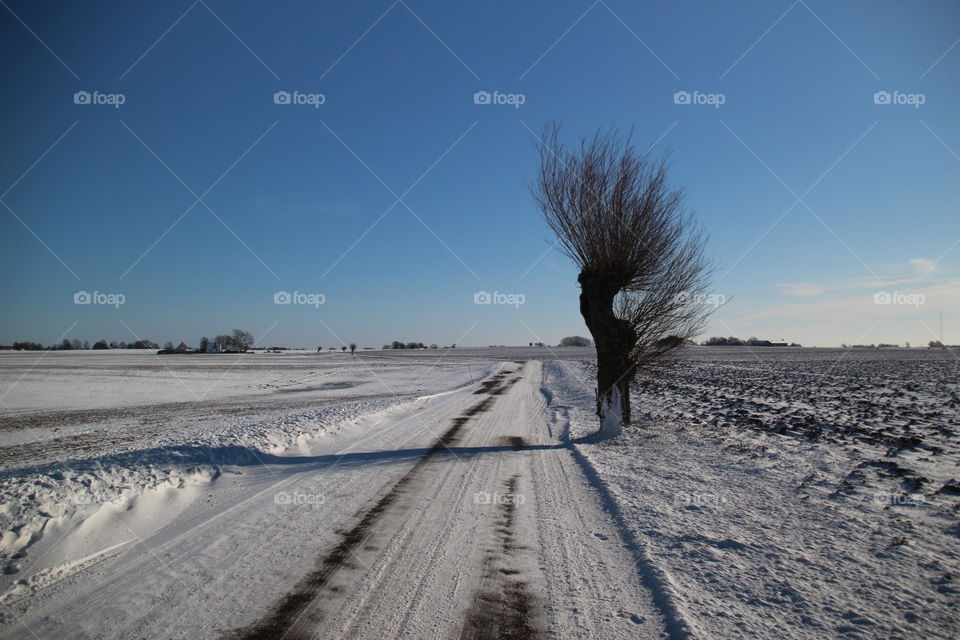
{"x": 771, "y": 493}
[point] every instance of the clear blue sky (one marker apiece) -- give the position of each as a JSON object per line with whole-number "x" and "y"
{"x": 308, "y": 207}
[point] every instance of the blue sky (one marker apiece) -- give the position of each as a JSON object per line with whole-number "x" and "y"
{"x": 399, "y": 198}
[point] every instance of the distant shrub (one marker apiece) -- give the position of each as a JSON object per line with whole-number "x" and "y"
{"x": 397, "y": 344}
{"x": 28, "y": 346}
{"x": 575, "y": 341}
{"x": 721, "y": 341}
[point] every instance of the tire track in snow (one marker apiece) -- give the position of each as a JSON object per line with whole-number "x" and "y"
{"x": 503, "y": 606}
{"x": 407, "y": 537}
{"x": 296, "y": 615}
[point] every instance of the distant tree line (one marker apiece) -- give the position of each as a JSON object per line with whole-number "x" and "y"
{"x": 752, "y": 341}
{"x": 76, "y": 344}
{"x": 397, "y": 344}
{"x": 25, "y": 346}
{"x": 720, "y": 341}
{"x": 237, "y": 341}
{"x": 239, "y": 338}
{"x": 933, "y": 344}
{"x": 575, "y": 341}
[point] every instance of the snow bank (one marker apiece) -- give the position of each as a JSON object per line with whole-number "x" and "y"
{"x": 68, "y": 479}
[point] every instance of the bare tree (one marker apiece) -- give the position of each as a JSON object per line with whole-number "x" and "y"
{"x": 242, "y": 339}
{"x": 353, "y": 347}
{"x": 640, "y": 254}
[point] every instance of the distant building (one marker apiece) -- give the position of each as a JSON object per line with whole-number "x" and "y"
{"x": 183, "y": 347}
{"x": 767, "y": 343}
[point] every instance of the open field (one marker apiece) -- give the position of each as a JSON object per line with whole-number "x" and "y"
{"x": 788, "y": 493}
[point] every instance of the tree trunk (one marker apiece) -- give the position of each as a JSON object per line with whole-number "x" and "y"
{"x": 614, "y": 341}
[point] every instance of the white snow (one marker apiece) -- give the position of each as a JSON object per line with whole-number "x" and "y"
{"x": 791, "y": 534}
{"x": 611, "y": 424}
{"x": 766, "y": 493}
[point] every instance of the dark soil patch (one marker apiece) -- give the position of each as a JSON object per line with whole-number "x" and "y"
{"x": 503, "y": 608}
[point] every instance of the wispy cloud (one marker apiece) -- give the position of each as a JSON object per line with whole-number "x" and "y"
{"x": 924, "y": 266}
{"x": 914, "y": 277}
{"x": 943, "y": 294}
{"x": 895, "y": 306}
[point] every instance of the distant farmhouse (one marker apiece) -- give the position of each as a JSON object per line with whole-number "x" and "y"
{"x": 216, "y": 347}
{"x": 205, "y": 347}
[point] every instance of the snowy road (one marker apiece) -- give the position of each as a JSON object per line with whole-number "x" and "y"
{"x": 460, "y": 514}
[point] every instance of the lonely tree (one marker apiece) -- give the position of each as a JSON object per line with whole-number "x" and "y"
{"x": 640, "y": 255}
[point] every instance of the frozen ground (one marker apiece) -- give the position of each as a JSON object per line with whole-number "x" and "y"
{"x": 797, "y": 494}
{"x": 774, "y": 493}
